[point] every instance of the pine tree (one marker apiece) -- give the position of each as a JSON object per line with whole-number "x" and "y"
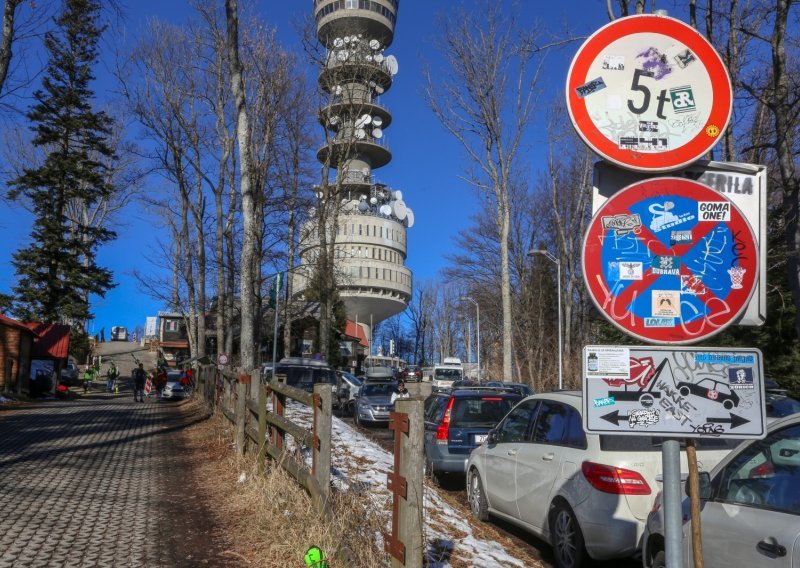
{"x": 57, "y": 271}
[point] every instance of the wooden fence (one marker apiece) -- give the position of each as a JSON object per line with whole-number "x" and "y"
{"x": 242, "y": 399}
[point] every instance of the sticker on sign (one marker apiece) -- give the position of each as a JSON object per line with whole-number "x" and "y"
{"x": 671, "y": 391}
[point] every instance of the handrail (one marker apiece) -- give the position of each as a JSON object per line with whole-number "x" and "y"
{"x": 294, "y": 393}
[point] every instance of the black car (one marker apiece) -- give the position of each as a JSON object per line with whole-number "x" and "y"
{"x": 458, "y": 421}
{"x": 303, "y": 373}
{"x": 711, "y": 389}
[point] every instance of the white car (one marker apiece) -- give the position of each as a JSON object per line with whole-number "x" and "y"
{"x": 174, "y": 389}
{"x": 750, "y": 509}
{"x": 586, "y": 494}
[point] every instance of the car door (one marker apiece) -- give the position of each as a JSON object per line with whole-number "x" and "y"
{"x": 539, "y": 462}
{"x": 434, "y": 411}
{"x": 753, "y": 518}
{"x": 501, "y": 457}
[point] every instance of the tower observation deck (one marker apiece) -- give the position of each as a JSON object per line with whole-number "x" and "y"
{"x": 372, "y": 278}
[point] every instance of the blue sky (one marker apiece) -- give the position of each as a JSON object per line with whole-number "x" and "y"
{"x": 427, "y": 162}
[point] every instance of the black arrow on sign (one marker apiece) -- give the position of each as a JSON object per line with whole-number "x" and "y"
{"x": 614, "y": 417}
{"x": 734, "y": 420}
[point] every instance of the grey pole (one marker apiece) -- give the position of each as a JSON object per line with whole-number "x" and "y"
{"x": 275, "y": 328}
{"x": 478, "y": 317}
{"x": 672, "y": 497}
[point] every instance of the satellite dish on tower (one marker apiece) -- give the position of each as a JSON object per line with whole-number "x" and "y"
{"x": 338, "y": 42}
{"x": 410, "y": 218}
{"x": 342, "y": 55}
{"x": 377, "y": 121}
{"x": 338, "y": 90}
{"x": 362, "y": 206}
{"x": 377, "y": 133}
{"x": 391, "y": 64}
{"x": 373, "y": 200}
{"x": 378, "y": 57}
{"x": 333, "y": 121}
{"x": 360, "y": 133}
{"x": 347, "y": 39}
{"x": 399, "y": 209}
{"x": 368, "y": 57}
{"x": 379, "y": 90}
{"x": 363, "y": 120}
{"x": 385, "y": 210}
{"x": 397, "y": 194}
{"x": 375, "y": 44}
{"x": 365, "y": 171}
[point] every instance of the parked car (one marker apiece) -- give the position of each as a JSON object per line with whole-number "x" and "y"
{"x": 378, "y": 374}
{"x": 303, "y": 373}
{"x": 412, "y": 374}
{"x": 347, "y": 392}
{"x": 69, "y": 374}
{"x": 374, "y": 402}
{"x": 586, "y": 494}
{"x": 780, "y": 405}
{"x": 457, "y": 422}
{"x": 175, "y": 388}
{"x": 750, "y": 506}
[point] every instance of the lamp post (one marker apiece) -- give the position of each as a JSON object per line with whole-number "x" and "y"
{"x": 478, "y": 318}
{"x": 557, "y": 262}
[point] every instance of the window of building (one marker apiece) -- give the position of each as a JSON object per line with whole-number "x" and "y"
{"x": 359, "y": 229}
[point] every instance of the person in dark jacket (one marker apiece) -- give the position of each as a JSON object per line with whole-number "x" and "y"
{"x": 139, "y": 377}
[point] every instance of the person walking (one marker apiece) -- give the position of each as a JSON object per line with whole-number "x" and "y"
{"x": 88, "y": 377}
{"x": 400, "y": 392}
{"x": 139, "y": 377}
{"x": 111, "y": 377}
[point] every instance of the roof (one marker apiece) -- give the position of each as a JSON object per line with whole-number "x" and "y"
{"x": 15, "y": 324}
{"x": 356, "y": 331}
{"x": 53, "y": 342}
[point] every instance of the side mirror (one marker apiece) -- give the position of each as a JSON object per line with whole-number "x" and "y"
{"x": 705, "y": 486}
{"x": 492, "y": 437}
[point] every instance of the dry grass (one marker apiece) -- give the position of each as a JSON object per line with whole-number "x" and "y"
{"x": 269, "y": 518}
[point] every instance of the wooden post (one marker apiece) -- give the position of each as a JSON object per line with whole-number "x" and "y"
{"x": 278, "y": 406}
{"x": 694, "y": 503}
{"x": 262, "y": 428}
{"x": 409, "y": 518}
{"x": 241, "y": 412}
{"x": 322, "y": 437}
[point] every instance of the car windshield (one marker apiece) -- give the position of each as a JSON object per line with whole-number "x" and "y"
{"x": 377, "y": 389}
{"x": 484, "y": 411}
{"x": 173, "y": 376}
{"x": 447, "y": 374}
{"x": 780, "y": 406}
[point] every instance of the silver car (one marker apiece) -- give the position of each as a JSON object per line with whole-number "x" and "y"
{"x": 587, "y": 494}
{"x": 750, "y": 509}
{"x": 374, "y": 402}
{"x": 174, "y": 389}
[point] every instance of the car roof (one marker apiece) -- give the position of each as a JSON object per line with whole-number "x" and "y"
{"x": 302, "y": 362}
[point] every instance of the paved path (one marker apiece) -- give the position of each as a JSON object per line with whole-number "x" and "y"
{"x": 101, "y": 481}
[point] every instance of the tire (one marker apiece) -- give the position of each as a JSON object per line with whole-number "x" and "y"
{"x": 566, "y": 538}
{"x": 659, "y": 560}
{"x": 477, "y": 497}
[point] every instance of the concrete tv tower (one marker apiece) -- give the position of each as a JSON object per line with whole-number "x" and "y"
{"x": 372, "y": 278}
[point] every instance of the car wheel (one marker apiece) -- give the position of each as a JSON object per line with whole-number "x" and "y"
{"x": 659, "y": 560}
{"x": 476, "y": 497}
{"x": 684, "y": 391}
{"x": 728, "y": 404}
{"x": 566, "y": 537}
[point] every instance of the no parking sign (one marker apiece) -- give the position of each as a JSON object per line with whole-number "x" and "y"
{"x": 669, "y": 260}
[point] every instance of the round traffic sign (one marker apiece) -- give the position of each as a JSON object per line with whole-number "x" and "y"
{"x": 222, "y": 359}
{"x": 649, "y": 93}
{"x": 670, "y": 260}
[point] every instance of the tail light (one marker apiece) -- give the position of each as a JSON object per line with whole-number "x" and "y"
{"x": 443, "y": 431}
{"x": 615, "y": 480}
{"x": 766, "y": 469}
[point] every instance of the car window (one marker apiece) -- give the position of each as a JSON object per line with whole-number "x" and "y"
{"x": 480, "y": 412}
{"x": 377, "y": 389}
{"x": 779, "y": 406}
{"x": 766, "y": 474}
{"x": 576, "y": 437}
{"x": 551, "y": 423}
{"x": 447, "y": 374}
{"x": 435, "y": 411}
{"x": 515, "y": 426}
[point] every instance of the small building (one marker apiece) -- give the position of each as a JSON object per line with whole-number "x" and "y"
{"x": 50, "y": 352}
{"x": 16, "y": 347}
{"x": 173, "y": 337}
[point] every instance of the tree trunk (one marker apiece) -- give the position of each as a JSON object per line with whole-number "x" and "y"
{"x": 248, "y": 266}
{"x": 9, "y": 14}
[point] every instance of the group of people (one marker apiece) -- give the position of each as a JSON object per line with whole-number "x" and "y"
{"x": 93, "y": 371}
{"x": 158, "y": 379}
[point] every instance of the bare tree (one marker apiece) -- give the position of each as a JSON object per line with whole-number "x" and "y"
{"x": 485, "y": 101}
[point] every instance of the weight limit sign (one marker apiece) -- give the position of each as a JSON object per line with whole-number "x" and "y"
{"x": 670, "y": 261}
{"x": 649, "y": 93}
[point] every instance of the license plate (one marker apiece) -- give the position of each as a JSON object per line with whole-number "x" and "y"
{"x": 480, "y": 438}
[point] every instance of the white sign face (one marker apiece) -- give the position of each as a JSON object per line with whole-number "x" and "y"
{"x": 222, "y": 359}
{"x": 744, "y": 184}
{"x": 150, "y": 327}
{"x": 677, "y": 392}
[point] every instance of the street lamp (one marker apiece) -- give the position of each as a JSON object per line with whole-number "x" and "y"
{"x": 478, "y": 318}
{"x": 557, "y": 262}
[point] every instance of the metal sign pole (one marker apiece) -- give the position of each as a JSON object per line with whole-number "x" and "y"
{"x": 672, "y": 497}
